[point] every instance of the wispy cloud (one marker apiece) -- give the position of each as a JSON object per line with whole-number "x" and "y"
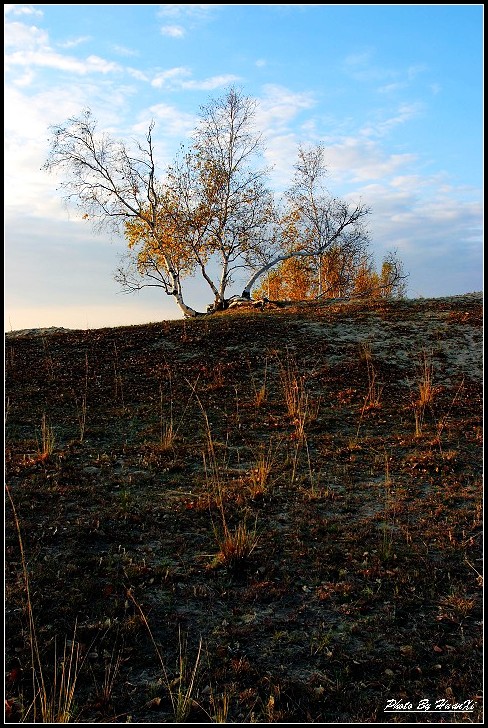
{"x": 20, "y": 36}
{"x": 355, "y": 159}
{"x": 50, "y": 59}
{"x": 360, "y": 66}
{"x": 173, "y": 31}
{"x": 414, "y": 71}
{"x": 170, "y": 121}
{"x": 278, "y": 106}
{"x": 171, "y": 77}
{"x": 390, "y": 88}
{"x": 124, "y": 51}
{"x": 186, "y": 11}
{"x": 179, "y": 78}
{"x": 74, "y": 42}
{"x": 28, "y": 47}
{"x": 405, "y": 113}
{"x": 22, "y": 10}
{"x": 210, "y": 84}
{"x": 277, "y": 110}
{"x": 187, "y": 18}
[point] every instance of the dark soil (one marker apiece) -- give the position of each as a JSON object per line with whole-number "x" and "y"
{"x": 362, "y": 498}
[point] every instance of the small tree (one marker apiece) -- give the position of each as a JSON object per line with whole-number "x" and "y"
{"x": 211, "y": 213}
{"x": 314, "y": 223}
{"x": 296, "y": 278}
{"x": 114, "y": 187}
{"x": 220, "y": 193}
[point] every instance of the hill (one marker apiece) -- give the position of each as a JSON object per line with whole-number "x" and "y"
{"x": 255, "y": 516}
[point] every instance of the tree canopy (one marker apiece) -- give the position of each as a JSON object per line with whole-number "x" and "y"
{"x": 212, "y": 213}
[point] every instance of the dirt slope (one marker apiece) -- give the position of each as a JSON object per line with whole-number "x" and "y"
{"x": 340, "y": 444}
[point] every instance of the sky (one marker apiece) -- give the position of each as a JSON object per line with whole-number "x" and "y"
{"x": 393, "y": 92}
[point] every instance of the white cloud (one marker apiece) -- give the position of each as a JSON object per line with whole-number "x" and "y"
{"x": 173, "y": 31}
{"x": 75, "y": 42}
{"x": 170, "y": 121}
{"x": 391, "y": 88}
{"x": 209, "y": 84}
{"x": 279, "y": 106}
{"x": 51, "y": 59}
{"x": 19, "y": 35}
{"x": 414, "y": 71}
{"x": 353, "y": 60}
{"x": 426, "y": 221}
{"x": 353, "y": 160}
{"x": 186, "y": 11}
{"x": 188, "y": 17}
{"x": 178, "y": 78}
{"x": 28, "y": 47}
{"x": 170, "y": 77}
{"x": 281, "y": 154}
{"x": 27, "y": 119}
{"x": 123, "y": 51}
{"x": 359, "y": 67}
{"x": 22, "y": 10}
{"x": 405, "y": 113}
{"x": 137, "y": 74}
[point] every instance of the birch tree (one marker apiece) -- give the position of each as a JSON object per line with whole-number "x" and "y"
{"x": 118, "y": 189}
{"x": 314, "y": 222}
{"x": 210, "y": 213}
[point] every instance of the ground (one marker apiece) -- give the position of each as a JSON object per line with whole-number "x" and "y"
{"x": 255, "y": 516}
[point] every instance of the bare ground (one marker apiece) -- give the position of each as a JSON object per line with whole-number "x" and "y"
{"x": 343, "y": 440}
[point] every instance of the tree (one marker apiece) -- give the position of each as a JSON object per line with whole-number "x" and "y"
{"x": 220, "y": 193}
{"x": 211, "y": 212}
{"x": 325, "y": 243}
{"x": 315, "y": 223}
{"x": 115, "y": 188}
{"x": 347, "y": 277}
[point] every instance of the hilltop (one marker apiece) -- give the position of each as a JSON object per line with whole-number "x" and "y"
{"x": 290, "y": 499}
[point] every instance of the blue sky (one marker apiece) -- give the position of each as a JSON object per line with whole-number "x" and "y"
{"x": 394, "y": 92}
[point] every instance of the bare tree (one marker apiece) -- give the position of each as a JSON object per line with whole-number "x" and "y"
{"x": 314, "y": 222}
{"x": 115, "y": 188}
{"x": 220, "y": 192}
{"x": 392, "y": 279}
{"x": 211, "y": 213}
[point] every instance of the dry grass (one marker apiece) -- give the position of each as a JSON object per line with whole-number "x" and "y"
{"x": 212, "y": 488}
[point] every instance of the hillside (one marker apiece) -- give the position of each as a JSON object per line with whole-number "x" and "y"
{"x": 285, "y": 505}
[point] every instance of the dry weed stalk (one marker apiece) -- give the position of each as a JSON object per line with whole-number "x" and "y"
{"x": 54, "y": 702}
{"x": 47, "y": 439}
{"x": 260, "y": 392}
{"x": 426, "y": 391}
{"x": 372, "y": 400}
{"x": 293, "y": 385}
{"x": 167, "y": 429}
{"x": 82, "y": 408}
{"x": 220, "y": 705}
{"x": 182, "y": 687}
{"x": 263, "y": 467}
{"x": 235, "y": 544}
